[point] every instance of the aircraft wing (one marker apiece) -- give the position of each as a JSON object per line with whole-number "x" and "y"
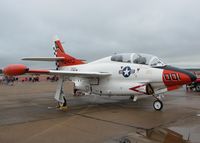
{"x": 70, "y": 73}
{"x": 19, "y": 69}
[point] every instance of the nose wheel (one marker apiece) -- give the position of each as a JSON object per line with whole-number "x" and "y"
{"x": 157, "y": 105}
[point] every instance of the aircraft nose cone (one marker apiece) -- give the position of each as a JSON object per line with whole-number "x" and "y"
{"x": 173, "y": 76}
{"x": 192, "y": 76}
{"x": 189, "y": 76}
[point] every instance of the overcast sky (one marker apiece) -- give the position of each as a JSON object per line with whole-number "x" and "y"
{"x": 92, "y": 29}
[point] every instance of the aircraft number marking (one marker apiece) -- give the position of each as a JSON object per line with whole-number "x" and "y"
{"x": 172, "y": 77}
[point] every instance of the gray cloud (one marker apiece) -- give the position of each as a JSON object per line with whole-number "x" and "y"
{"x": 94, "y": 29}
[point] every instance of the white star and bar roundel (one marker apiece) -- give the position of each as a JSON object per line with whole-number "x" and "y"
{"x": 126, "y": 71}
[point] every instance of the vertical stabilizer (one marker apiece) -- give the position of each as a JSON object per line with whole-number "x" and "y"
{"x": 59, "y": 52}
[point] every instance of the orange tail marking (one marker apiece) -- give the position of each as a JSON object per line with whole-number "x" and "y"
{"x": 69, "y": 60}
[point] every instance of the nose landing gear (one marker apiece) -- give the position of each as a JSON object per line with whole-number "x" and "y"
{"x": 157, "y": 105}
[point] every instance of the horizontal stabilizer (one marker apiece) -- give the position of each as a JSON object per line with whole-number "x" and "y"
{"x": 44, "y": 58}
{"x": 48, "y": 59}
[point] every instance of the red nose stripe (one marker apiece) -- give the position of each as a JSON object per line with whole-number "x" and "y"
{"x": 174, "y": 78}
{"x": 170, "y": 88}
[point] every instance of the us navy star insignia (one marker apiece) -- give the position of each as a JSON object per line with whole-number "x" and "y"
{"x": 126, "y": 71}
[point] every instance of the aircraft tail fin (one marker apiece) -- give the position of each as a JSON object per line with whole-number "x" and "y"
{"x": 68, "y": 59}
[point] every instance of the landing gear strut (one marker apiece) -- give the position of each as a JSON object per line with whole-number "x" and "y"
{"x": 60, "y": 96}
{"x": 157, "y": 105}
{"x": 133, "y": 98}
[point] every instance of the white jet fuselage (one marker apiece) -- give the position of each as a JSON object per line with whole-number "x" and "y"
{"x": 123, "y": 77}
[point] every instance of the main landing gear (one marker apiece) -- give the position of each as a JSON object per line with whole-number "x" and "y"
{"x": 133, "y": 98}
{"x": 62, "y": 106}
{"x": 60, "y": 96}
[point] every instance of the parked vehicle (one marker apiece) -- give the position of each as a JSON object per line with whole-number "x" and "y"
{"x": 195, "y": 86}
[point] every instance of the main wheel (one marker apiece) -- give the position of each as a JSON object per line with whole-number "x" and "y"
{"x": 157, "y": 105}
{"x": 62, "y": 106}
{"x": 131, "y": 97}
{"x": 64, "y": 103}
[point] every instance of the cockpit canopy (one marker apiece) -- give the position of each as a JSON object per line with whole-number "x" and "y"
{"x": 144, "y": 59}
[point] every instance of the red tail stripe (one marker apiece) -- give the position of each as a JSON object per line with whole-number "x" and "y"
{"x": 69, "y": 60}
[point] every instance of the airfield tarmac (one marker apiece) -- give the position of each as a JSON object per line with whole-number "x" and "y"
{"x": 28, "y": 115}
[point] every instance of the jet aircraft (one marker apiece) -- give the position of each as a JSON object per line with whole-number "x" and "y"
{"x": 127, "y": 74}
